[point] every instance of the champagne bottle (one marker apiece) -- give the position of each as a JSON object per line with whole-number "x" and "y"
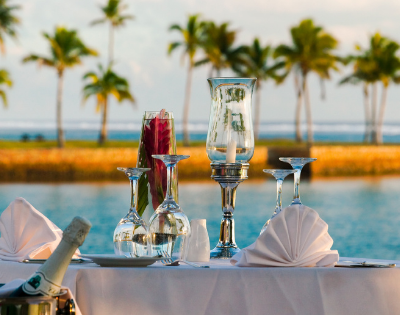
{"x": 46, "y": 281}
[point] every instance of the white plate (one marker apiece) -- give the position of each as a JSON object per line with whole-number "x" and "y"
{"x": 106, "y": 260}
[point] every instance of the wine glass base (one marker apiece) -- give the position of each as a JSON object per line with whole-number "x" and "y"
{"x": 224, "y": 252}
{"x": 296, "y": 202}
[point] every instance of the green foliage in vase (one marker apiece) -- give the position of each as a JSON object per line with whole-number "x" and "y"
{"x": 66, "y": 51}
{"x": 143, "y": 183}
{"x": 103, "y": 84}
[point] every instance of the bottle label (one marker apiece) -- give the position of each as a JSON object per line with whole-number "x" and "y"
{"x": 38, "y": 283}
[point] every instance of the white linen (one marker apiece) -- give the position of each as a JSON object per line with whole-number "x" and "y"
{"x": 296, "y": 237}
{"x": 11, "y": 286}
{"x": 226, "y": 289}
{"x": 26, "y": 233}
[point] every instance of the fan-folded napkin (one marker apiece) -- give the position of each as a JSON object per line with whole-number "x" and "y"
{"x": 11, "y": 286}
{"x": 296, "y": 237}
{"x": 26, "y": 233}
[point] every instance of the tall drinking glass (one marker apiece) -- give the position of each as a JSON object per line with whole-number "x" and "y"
{"x": 297, "y": 163}
{"x": 131, "y": 236}
{"x": 279, "y": 175}
{"x": 157, "y": 137}
{"x": 169, "y": 226}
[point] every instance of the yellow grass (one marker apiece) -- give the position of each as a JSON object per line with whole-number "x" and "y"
{"x": 79, "y": 164}
{"x": 355, "y": 160}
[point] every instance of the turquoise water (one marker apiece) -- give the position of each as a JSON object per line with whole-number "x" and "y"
{"x": 363, "y": 214}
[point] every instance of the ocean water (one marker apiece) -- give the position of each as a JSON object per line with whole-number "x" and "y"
{"x": 89, "y": 130}
{"x": 363, "y": 214}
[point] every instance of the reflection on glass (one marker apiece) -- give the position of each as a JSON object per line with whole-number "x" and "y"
{"x": 230, "y": 135}
{"x": 169, "y": 226}
{"x": 131, "y": 235}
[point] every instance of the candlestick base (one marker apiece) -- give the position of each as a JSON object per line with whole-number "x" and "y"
{"x": 229, "y": 176}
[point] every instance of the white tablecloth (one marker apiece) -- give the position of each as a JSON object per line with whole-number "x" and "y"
{"x": 225, "y": 289}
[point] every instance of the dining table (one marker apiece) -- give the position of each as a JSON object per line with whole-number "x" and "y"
{"x": 227, "y": 289}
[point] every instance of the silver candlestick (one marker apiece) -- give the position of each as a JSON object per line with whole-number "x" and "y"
{"x": 229, "y": 176}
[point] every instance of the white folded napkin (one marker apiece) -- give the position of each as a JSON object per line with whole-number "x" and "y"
{"x": 26, "y": 233}
{"x": 11, "y": 286}
{"x": 296, "y": 237}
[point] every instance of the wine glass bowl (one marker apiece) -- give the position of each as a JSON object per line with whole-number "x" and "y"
{"x": 280, "y": 175}
{"x": 131, "y": 237}
{"x": 297, "y": 164}
{"x": 169, "y": 226}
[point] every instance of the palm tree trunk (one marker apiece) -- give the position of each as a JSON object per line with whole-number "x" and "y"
{"x": 111, "y": 44}
{"x": 323, "y": 89}
{"x": 373, "y": 111}
{"x": 310, "y": 138}
{"x": 299, "y": 137}
{"x": 186, "y": 138}
{"x": 103, "y": 132}
{"x": 60, "y": 132}
{"x": 367, "y": 112}
{"x": 379, "y": 133}
{"x": 257, "y": 109}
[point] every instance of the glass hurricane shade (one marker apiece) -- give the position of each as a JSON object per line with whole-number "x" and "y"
{"x": 230, "y": 137}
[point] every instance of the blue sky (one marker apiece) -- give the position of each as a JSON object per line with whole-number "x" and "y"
{"x": 157, "y": 80}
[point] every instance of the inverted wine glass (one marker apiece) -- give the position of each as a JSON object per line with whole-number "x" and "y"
{"x": 169, "y": 226}
{"x": 279, "y": 175}
{"x": 297, "y": 163}
{"x": 131, "y": 237}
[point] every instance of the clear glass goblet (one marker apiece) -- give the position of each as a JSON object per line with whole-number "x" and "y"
{"x": 131, "y": 237}
{"x": 279, "y": 175}
{"x": 169, "y": 227}
{"x": 297, "y": 163}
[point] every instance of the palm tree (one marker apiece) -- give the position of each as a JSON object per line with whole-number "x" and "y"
{"x": 311, "y": 51}
{"x": 112, "y": 14}
{"x": 191, "y": 41}
{"x": 255, "y": 64}
{"x": 384, "y": 53}
{"x": 66, "y": 51}
{"x": 217, "y": 44}
{"x": 365, "y": 71}
{"x": 102, "y": 85}
{"x": 8, "y": 21}
{"x": 4, "y": 80}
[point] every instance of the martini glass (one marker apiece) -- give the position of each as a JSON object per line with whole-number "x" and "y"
{"x": 169, "y": 226}
{"x": 279, "y": 176}
{"x": 297, "y": 163}
{"x": 131, "y": 237}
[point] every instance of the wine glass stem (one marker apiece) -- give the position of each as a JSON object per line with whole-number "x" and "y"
{"x": 170, "y": 176}
{"x": 278, "y": 207}
{"x": 133, "y": 182}
{"x": 296, "y": 197}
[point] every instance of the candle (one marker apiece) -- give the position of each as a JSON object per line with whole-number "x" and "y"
{"x": 231, "y": 152}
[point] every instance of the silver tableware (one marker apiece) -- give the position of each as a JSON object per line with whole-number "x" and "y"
{"x": 167, "y": 261}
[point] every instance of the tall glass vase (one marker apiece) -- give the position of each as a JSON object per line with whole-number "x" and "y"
{"x": 157, "y": 137}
